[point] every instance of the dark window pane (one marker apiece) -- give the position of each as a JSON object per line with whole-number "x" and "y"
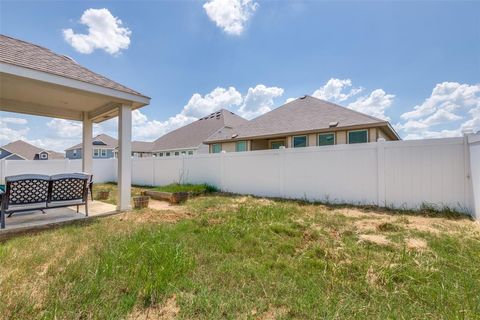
{"x": 241, "y": 146}
{"x": 326, "y": 139}
{"x": 277, "y": 144}
{"x": 216, "y": 148}
{"x": 300, "y": 141}
{"x": 357, "y": 136}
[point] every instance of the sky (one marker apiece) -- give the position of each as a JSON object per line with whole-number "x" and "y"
{"x": 413, "y": 63}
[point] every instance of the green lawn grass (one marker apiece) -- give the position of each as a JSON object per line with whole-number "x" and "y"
{"x": 193, "y": 188}
{"x": 241, "y": 257}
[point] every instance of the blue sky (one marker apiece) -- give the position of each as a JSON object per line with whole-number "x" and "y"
{"x": 416, "y": 64}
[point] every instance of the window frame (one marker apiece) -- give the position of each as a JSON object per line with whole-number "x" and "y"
{"x": 43, "y": 156}
{"x": 103, "y": 153}
{"x": 236, "y": 146}
{"x": 190, "y": 152}
{"x": 360, "y": 130}
{"x": 167, "y": 154}
{"x": 217, "y": 144}
{"x": 326, "y": 133}
{"x": 303, "y": 135}
{"x": 97, "y": 151}
{"x": 176, "y": 153}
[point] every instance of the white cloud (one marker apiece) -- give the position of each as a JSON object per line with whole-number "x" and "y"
{"x": 12, "y": 128}
{"x": 104, "y": 32}
{"x": 230, "y": 15}
{"x": 219, "y": 98}
{"x": 341, "y": 90}
{"x": 374, "y": 104}
{"x": 334, "y": 89}
{"x": 13, "y": 120}
{"x": 441, "y": 114}
{"x": 259, "y": 100}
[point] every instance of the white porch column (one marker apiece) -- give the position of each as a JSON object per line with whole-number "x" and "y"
{"x": 87, "y": 148}
{"x": 124, "y": 157}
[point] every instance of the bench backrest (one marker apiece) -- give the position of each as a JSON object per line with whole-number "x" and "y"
{"x": 27, "y": 189}
{"x": 66, "y": 187}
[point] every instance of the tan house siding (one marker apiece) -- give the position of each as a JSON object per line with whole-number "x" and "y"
{"x": 228, "y": 146}
{"x": 340, "y": 138}
{"x": 260, "y": 144}
{"x": 382, "y": 134}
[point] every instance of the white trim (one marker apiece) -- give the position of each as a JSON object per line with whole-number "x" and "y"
{"x": 324, "y": 133}
{"x": 13, "y": 154}
{"x": 368, "y": 134}
{"x": 72, "y": 83}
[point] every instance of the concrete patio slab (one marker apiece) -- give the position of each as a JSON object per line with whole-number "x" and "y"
{"x": 36, "y": 220}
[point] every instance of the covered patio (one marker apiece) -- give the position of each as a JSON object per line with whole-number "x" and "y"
{"x": 36, "y": 81}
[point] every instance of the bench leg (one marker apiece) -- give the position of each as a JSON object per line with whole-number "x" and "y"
{"x": 77, "y": 208}
{"x": 86, "y": 208}
{"x": 2, "y": 219}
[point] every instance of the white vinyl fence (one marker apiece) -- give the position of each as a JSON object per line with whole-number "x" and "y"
{"x": 400, "y": 174}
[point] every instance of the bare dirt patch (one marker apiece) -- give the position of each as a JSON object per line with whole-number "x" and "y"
{"x": 163, "y": 205}
{"x": 154, "y": 216}
{"x": 375, "y": 238}
{"x": 416, "y": 244}
{"x": 168, "y": 311}
{"x": 273, "y": 313}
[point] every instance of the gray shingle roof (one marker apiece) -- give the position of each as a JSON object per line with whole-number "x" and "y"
{"x": 300, "y": 115}
{"x": 31, "y": 56}
{"x": 109, "y": 141}
{"x": 29, "y": 151}
{"x": 193, "y": 134}
{"x": 142, "y": 146}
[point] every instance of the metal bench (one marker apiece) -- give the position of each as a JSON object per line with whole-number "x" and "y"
{"x": 33, "y": 192}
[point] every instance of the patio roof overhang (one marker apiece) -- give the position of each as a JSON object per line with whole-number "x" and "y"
{"x": 37, "y": 81}
{"x": 40, "y": 93}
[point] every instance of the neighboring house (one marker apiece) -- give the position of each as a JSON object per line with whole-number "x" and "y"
{"x": 188, "y": 139}
{"x": 21, "y": 150}
{"x": 140, "y": 149}
{"x": 304, "y": 122}
{"x": 103, "y": 148}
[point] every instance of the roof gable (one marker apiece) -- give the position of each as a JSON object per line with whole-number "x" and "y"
{"x": 104, "y": 139}
{"x": 192, "y": 135}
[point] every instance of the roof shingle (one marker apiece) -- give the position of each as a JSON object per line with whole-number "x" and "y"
{"x": 193, "y": 134}
{"x": 31, "y": 56}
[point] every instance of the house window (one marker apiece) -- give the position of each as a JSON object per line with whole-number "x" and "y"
{"x": 216, "y": 148}
{"x": 167, "y": 154}
{"x": 43, "y": 156}
{"x": 240, "y": 146}
{"x": 161, "y": 154}
{"x": 104, "y": 153}
{"x": 190, "y": 152}
{"x": 277, "y": 144}
{"x": 96, "y": 152}
{"x": 300, "y": 141}
{"x": 177, "y": 153}
{"x": 75, "y": 152}
{"x": 326, "y": 139}
{"x": 358, "y": 136}
{"x": 184, "y": 153}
